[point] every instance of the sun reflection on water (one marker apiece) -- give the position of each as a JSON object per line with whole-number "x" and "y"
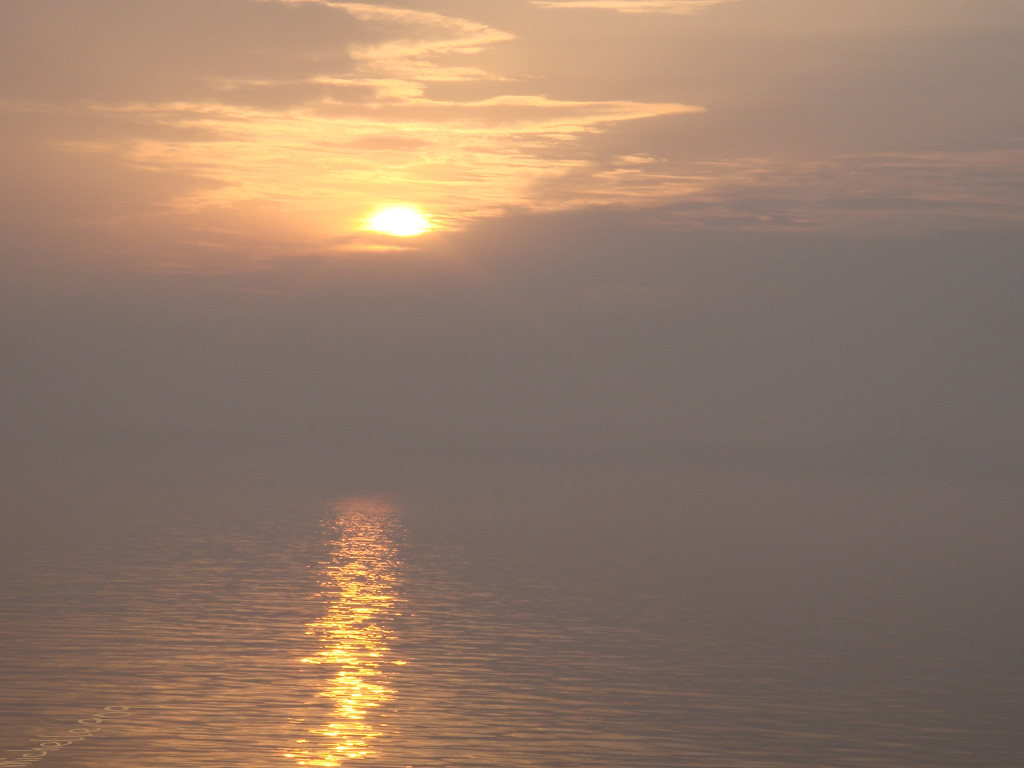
{"x": 359, "y": 582}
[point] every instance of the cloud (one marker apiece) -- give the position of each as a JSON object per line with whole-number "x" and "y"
{"x": 414, "y": 39}
{"x": 898, "y": 193}
{"x": 155, "y": 50}
{"x": 273, "y": 127}
{"x": 895, "y": 192}
{"x": 316, "y": 168}
{"x": 633, "y": 6}
{"x": 282, "y": 138}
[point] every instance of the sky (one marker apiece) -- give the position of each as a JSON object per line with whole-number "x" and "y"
{"x": 766, "y": 223}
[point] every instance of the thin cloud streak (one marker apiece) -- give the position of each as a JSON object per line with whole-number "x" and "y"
{"x": 895, "y": 192}
{"x": 294, "y": 164}
{"x": 280, "y": 144}
{"x": 680, "y": 7}
{"x": 318, "y": 164}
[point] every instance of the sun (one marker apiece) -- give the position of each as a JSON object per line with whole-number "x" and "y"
{"x": 399, "y": 221}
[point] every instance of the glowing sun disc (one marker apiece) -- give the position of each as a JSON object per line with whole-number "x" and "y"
{"x": 398, "y": 221}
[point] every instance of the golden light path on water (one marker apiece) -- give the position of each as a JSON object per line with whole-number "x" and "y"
{"x": 359, "y": 582}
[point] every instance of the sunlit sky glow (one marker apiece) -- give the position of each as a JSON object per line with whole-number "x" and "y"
{"x": 735, "y": 219}
{"x": 267, "y": 125}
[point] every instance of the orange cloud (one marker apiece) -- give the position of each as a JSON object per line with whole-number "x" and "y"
{"x": 634, "y": 6}
{"x": 294, "y": 163}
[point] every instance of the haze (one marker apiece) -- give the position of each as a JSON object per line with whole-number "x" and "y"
{"x": 719, "y": 308}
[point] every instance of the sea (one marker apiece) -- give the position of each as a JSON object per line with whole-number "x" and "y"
{"x": 508, "y": 614}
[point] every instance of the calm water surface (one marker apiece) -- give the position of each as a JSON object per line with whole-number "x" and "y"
{"x": 360, "y": 633}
